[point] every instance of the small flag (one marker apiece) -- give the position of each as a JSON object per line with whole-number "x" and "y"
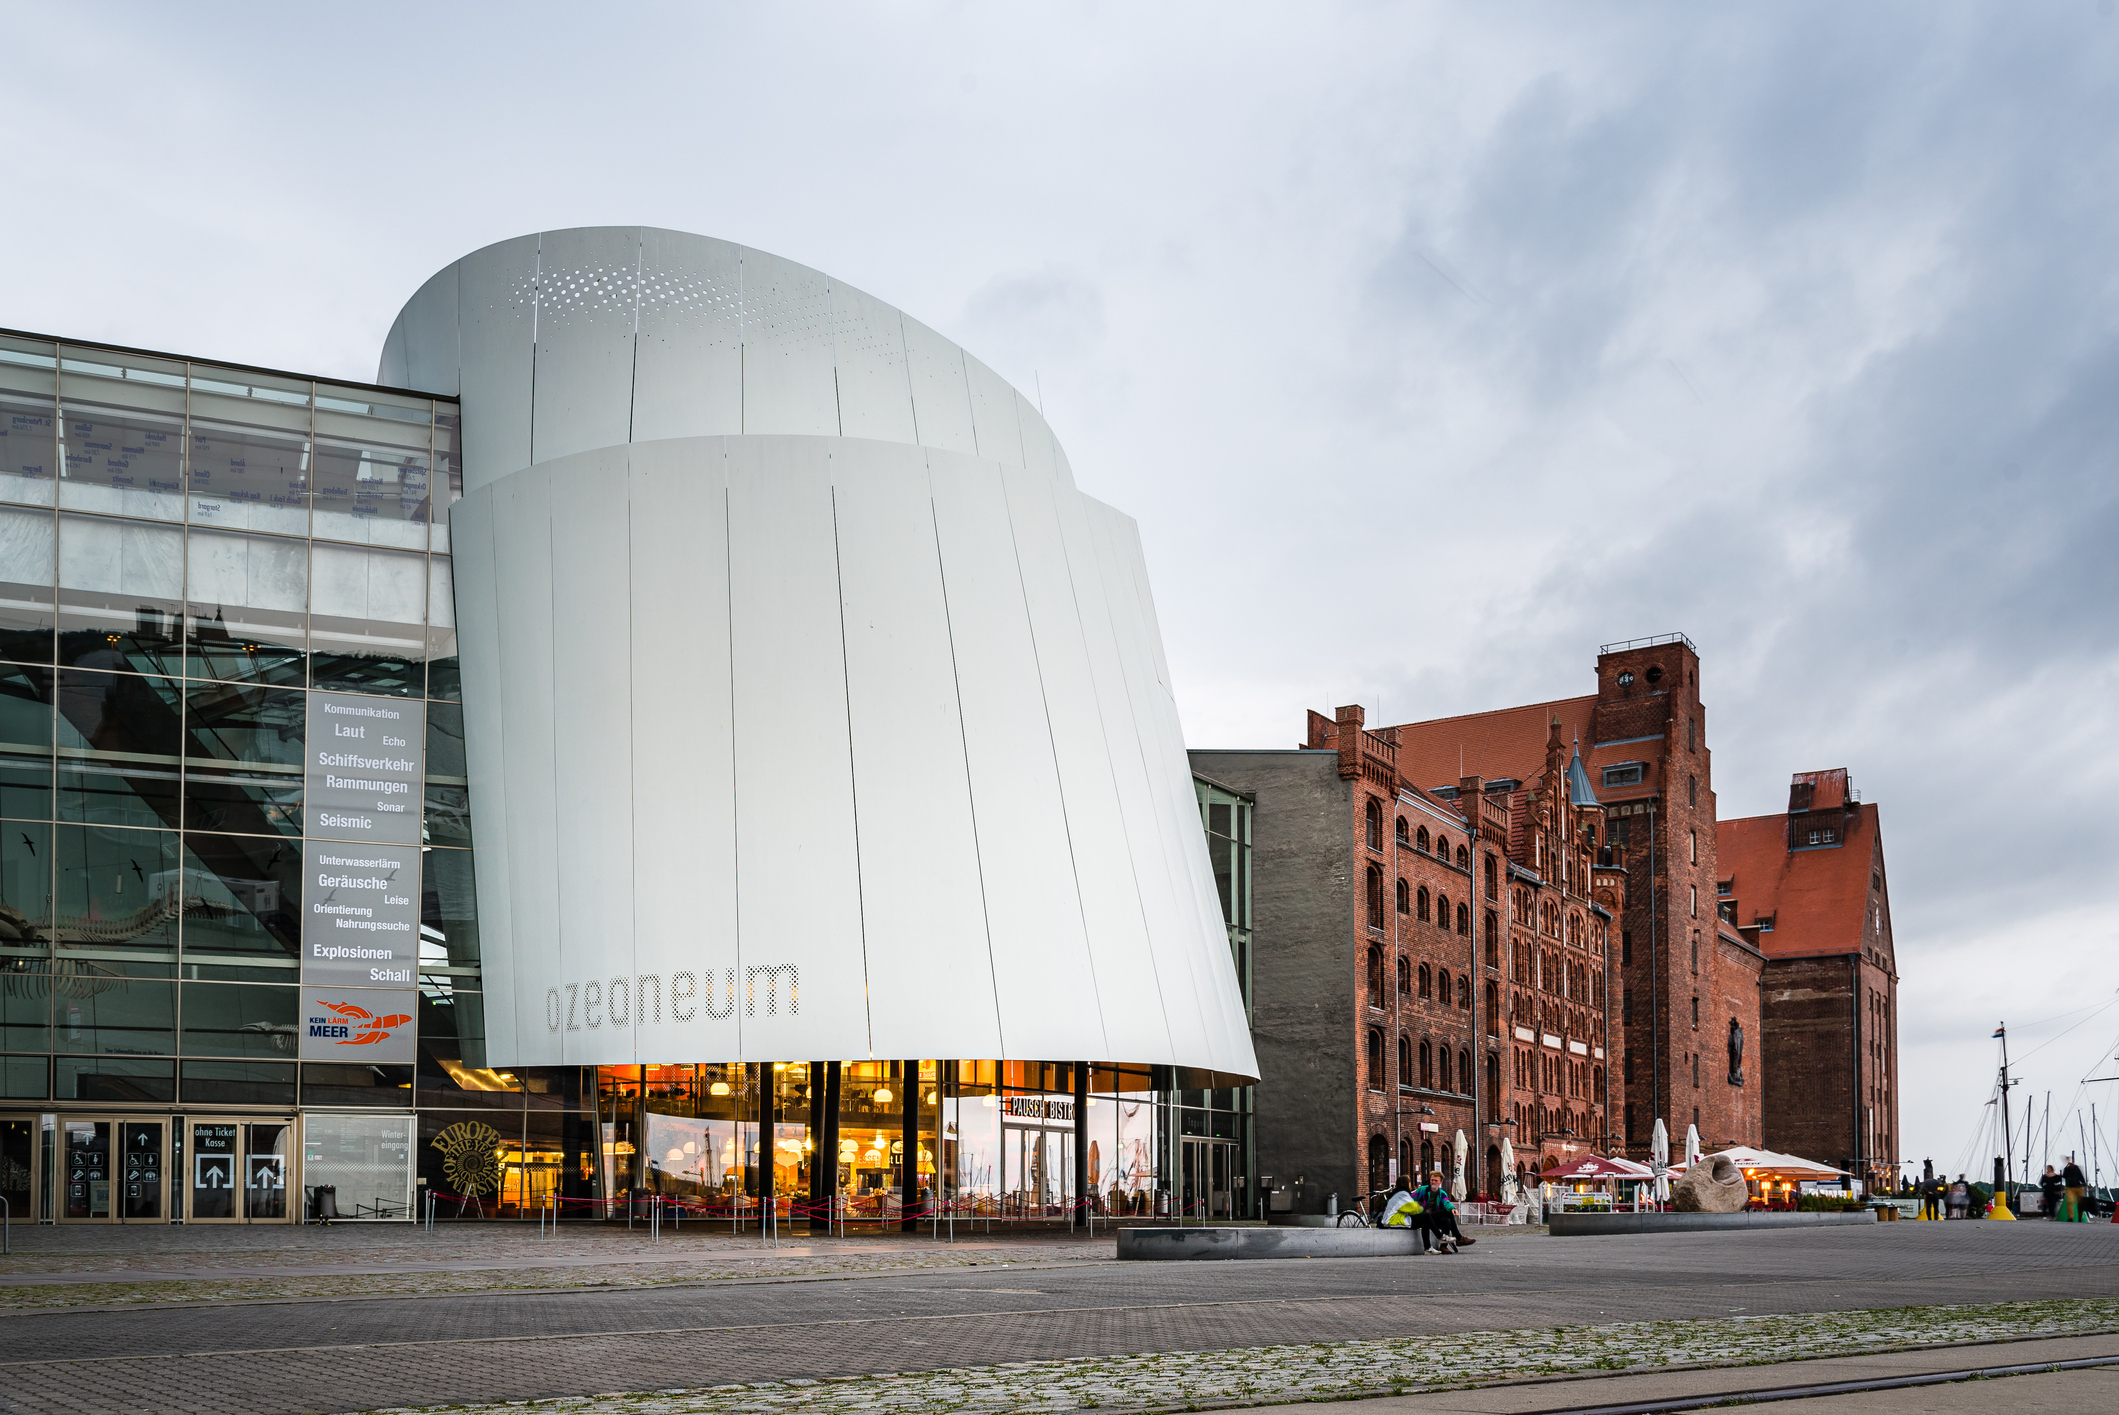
{"x": 1999, "y": 1030}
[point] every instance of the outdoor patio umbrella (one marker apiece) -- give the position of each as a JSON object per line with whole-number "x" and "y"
{"x": 1660, "y": 1153}
{"x": 1598, "y": 1167}
{"x": 1456, "y": 1183}
{"x": 1692, "y": 1145}
{"x": 1509, "y": 1193}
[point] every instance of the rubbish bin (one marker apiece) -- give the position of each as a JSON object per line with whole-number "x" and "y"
{"x": 323, "y": 1203}
{"x": 641, "y": 1204}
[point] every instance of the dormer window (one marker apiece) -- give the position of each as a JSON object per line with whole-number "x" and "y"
{"x": 1625, "y": 774}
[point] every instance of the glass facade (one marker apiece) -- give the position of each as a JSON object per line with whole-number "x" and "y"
{"x": 192, "y": 557}
{"x": 221, "y": 589}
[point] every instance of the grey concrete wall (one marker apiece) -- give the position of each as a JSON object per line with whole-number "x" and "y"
{"x": 1304, "y": 968}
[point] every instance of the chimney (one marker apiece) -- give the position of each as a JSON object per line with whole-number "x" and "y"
{"x": 1348, "y": 735}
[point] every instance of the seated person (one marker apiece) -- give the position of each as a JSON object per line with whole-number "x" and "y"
{"x": 1400, "y": 1210}
{"x": 1440, "y": 1213}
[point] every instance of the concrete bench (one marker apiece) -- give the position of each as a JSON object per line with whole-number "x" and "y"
{"x": 1605, "y": 1225}
{"x": 1195, "y": 1244}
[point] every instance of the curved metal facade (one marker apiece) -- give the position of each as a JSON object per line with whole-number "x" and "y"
{"x": 811, "y": 711}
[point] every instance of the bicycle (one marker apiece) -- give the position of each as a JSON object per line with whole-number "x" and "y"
{"x": 1358, "y": 1216}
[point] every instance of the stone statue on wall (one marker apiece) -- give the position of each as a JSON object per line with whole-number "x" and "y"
{"x": 1736, "y": 1052}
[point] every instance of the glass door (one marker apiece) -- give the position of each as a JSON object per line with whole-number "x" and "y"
{"x": 142, "y": 1161}
{"x": 1207, "y": 1177}
{"x": 265, "y": 1171}
{"x": 86, "y": 1145}
{"x": 214, "y": 1150}
{"x": 116, "y": 1170}
{"x": 240, "y": 1171}
{"x": 18, "y": 1169}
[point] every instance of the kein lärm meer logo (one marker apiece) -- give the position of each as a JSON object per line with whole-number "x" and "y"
{"x": 354, "y": 1026}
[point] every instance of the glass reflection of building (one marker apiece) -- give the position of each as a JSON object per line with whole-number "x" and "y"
{"x": 188, "y": 552}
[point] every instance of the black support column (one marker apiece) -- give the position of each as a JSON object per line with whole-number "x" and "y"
{"x": 767, "y": 1214}
{"x": 909, "y": 1172}
{"x": 1081, "y": 1144}
{"x": 828, "y": 1143}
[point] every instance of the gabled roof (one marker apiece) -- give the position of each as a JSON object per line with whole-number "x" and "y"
{"x": 1818, "y": 899}
{"x": 1505, "y": 742}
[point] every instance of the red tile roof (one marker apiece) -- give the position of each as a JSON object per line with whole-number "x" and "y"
{"x": 1505, "y": 742}
{"x": 1818, "y": 898}
{"x": 1828, "y": 788}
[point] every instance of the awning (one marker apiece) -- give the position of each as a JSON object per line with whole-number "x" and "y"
{"x": 1596, "y": 1167}
{"x": 1771, "y": 1164}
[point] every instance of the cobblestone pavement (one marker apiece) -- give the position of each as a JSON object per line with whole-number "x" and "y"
{"x": 1271, "y": 1375}
{"x": 82, "y": 1266}
{"x": 1019, "y": 1305}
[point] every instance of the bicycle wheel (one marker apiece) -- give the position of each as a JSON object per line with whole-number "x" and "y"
{"x": 1350, "y": 1219}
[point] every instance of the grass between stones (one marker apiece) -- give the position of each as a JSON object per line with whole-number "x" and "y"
{"x": 1342, "y": 1370}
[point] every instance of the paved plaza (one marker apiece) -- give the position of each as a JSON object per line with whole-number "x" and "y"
{"x": 702, "y": 1310}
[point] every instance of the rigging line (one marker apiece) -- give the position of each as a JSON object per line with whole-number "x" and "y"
{"x": 2064, "y": 1031}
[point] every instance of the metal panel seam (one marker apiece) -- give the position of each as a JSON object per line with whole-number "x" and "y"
{"x": 853, "y": 777}
{"x": 1140, "y": 896}
{"x": 1059, "y": 774}
{"x": 735, "y": 782}
{"x": 971, "y": 790}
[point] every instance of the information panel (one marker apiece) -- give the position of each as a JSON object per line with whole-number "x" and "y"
{"x": 360, "y": 1026}
{"x": 365, "y": 771}
{"x": 360, "y": 914}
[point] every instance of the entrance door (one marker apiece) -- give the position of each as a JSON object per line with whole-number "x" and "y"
{"x": 116, "y": 1170}
{"x": 18, "y": 1169}
{"x": 1207, "y": 1176}
{"x": 241, "y": 1171}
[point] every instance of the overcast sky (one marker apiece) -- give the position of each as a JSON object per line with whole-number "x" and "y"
{"x": 1432, "y": 347}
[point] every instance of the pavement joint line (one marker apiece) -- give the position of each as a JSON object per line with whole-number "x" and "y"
{"x": 789, "y": 1279}
{"x": 1283, "y": 1398}
{"x": 1765, "y": 1395}
{"x": 676, "y": 1285}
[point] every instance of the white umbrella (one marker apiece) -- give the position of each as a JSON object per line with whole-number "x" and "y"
{"x": 1456, "y": 1183}
{"x": 1692, "y": 1145}
{"x": 1659, "y": 1152}
{"x": 1509, "y": 1195}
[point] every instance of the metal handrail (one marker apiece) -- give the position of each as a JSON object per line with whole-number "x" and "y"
{"x": 1650, "y": 642}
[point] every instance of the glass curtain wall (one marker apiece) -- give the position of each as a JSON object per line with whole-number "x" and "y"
{"x": 1224, "y": 1181}
{"x": 188, "y": 553}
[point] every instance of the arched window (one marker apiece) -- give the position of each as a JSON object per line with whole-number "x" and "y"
{"x": 1442, "y": 910}
{"x": 1427, "y": 1160}
{"x": 1405, "y": 898}
{"x": 1375, "y": 1059}
{"x": 1493, "y": 940}
{"x": 1442, "y": 985}
{"x": 1464, "y": 920}
{"x": 1596, "y": 1082}
{"x": 1375, "y": 893}
{"x": 1405, "y": 1060}
{"x": 1420, "y": 904}
{"x": 1405, "y": 1159}
{"x": 1375, "y": 977}
{"x": 1493, "y": 1009}
{"x": 1403, "y": 838}
{"x": 1420, "y": 840}
{"x": 1493, "y": 878}
{"x": 1379, "y": 1162}
{"x": 1427, "y": 1063}
{"x": 1405, "y": 977}
{"x": 1464, "y": 1072}
{"x": 1464, "y": 993}
{"x": 1442, "y": 848}
{"x": 1375, "y": 824}
{"x": 1443, "y": 1070}
{"x": 1464, "y": 858}
{"x": 1426, "y": 982}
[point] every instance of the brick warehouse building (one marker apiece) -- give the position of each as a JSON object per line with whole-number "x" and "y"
{"x": 1684, "y": 983}
{"x": 1368, "y": 919}
{"x": 1809, "y": 889}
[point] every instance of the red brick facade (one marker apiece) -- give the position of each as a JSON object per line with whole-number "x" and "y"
{"x": 1416, "y": 925}
{"x": 1808, "y": 887}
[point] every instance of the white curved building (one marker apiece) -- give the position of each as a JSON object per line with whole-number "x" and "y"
{"x": 811, "y": 711}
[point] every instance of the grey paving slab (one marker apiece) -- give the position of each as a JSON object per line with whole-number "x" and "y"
{"x": 363, "y": 1354}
